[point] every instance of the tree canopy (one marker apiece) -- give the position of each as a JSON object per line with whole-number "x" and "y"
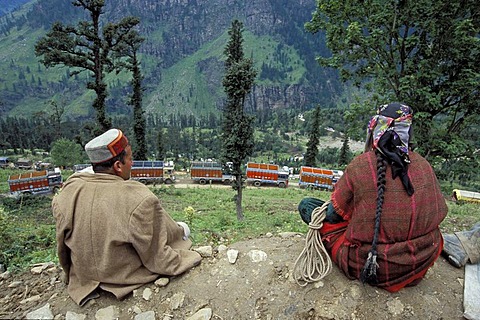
{"x": 87, "y": 48}
{"x": 424, "y": 53}
{"x": 66, "y": 153}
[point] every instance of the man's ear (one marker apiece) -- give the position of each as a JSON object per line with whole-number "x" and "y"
{"x": 117, "y": 166}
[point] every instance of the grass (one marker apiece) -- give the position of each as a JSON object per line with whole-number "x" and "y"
{"x": 28, "y": 228}
{"x": 214, "y": 219}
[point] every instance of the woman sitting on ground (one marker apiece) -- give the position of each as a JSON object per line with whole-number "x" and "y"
{"x": 382, "y": 225}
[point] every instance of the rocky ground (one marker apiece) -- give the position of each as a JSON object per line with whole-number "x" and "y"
{"x": 257, "y": 285}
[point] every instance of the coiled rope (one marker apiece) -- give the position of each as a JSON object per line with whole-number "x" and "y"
{"x": 314, "y": 263}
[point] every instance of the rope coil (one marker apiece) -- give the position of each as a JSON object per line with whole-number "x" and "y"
{"x": 314, "y": 263}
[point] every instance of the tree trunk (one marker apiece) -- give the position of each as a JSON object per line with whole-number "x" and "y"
{"x": 239, "y": 196}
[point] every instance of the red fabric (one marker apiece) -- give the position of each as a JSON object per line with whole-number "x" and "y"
{"x": 118, "y": 145}
{"x": 409, "y": 240}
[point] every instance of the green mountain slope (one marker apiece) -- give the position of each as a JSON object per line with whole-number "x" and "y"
{"x": 182, "y": 58}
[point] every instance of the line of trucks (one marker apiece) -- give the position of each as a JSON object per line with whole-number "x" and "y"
{"x": 202, "y": 172}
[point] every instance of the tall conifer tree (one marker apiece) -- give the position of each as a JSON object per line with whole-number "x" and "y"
{"x": 313, "y": 140}
{"x": 128, "y": 48}
{"x": 237, "y": 134}
{"x": 345, "y": 153}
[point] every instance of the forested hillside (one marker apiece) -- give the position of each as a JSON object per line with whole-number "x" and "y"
{"x": 182, "y": 58}
{"x": 182, "y": 62}
{"x": 10, "y": 5}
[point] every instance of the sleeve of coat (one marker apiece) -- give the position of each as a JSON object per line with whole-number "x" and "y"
{"x": 63, "y": 228}
{"x": 157, "y": 238}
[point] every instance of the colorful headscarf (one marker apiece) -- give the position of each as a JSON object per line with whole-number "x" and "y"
{"x": 389, "y": 133}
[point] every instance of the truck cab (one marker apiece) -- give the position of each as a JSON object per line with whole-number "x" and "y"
{"x": 146, "y": 171}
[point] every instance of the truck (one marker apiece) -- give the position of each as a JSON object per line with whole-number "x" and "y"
{"x": 5, "y": 163}
{"x": 317, "y": 178}
{"x": 153, "y": 172}
{"x": 210, "y": 171}
{"x": 464, "y": 195}
{"x": 266, "y": 174}
{"x": 24, "y": 163}
{"x": 36, "y": 182}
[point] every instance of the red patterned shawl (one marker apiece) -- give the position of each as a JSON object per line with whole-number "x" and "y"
{"x": 409, "y": 239}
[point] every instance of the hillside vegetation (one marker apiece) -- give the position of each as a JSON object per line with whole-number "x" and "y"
{"x": 182, "y": 58}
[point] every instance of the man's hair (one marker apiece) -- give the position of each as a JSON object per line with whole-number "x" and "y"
{"x": 104, "y": 166}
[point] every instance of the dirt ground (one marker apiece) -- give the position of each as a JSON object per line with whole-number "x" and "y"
{"x": 249, "y": 289}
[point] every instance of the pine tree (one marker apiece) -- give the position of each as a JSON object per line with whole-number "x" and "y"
{"x": 128, "y": 48}
{"x": 345, "y": 153}
{"x": 86, "y": 48}
{"x": 313, "y": 140}
{"x": 160, "y": 145}
{"x": 237, "y": 131}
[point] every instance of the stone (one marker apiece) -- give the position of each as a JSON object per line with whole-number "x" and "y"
{"x": 147, "y": 294}
{"x": 202, "y": 314}
{"x": 205, "y": 251}
{"x": 41, "y": 313}
{"x": 162, "y": 282}
{"x": 147, "y": 315}
{"x": 75, "y": 316}
{"x": 30, "y": 299}
{"x": 137, "y": 309}
{"x": 232, "y": 255}
{"x": 108, "y": 313}
{"x": 177, "y": 300}
{"x": 15, "y": 284}
{"x": 257, "y": 255}
{"x": 37, "y": 270}
{"x": 395, "y": 307}
{"x": 5, "y": 275}
{"x": 40, "y": 267}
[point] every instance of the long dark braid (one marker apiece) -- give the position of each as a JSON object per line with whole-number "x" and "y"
{"x": 369, "y": 271}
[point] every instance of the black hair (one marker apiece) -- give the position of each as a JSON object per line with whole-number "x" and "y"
{"x": 104, "y": 166}
{"x": 369, "y": 271}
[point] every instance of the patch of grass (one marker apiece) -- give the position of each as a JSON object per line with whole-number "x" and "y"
{"x": 461, "y": 216}
{"x": 215, "y": 219}
{"x": 28, "y": 232}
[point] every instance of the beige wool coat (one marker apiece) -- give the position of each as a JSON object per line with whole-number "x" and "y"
{"x": 114, "y": 234}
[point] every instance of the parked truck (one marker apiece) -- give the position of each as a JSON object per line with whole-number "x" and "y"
{"x": 318, "y": 178}
{"x": 464, "y": 195}
{"x": 153, "y": 172}
{"x": 266, "y": 174}
{"x": 210, "y": 171}
{"x": 36, "y": 182}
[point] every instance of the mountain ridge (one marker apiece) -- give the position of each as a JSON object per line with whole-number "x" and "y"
{"x": 182, "y": 58}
